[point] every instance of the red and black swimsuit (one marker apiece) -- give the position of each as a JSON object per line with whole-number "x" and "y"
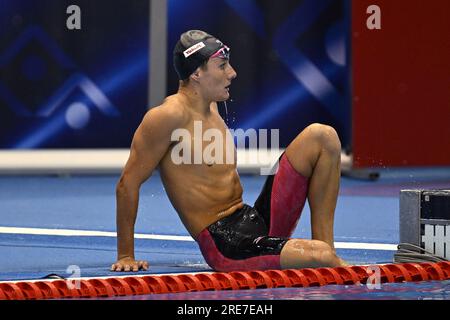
{"x": 253, "y": 237}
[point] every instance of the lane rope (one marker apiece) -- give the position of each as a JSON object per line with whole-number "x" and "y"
{"x": 236, "y": 280}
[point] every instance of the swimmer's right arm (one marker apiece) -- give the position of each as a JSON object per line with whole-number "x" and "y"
{"x": 151, "y": 141}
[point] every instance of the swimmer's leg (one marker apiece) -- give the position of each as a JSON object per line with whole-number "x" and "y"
{"x": 315, "y": 154}
{"x": 282, "y": 200}
{"x": 265, "y": 253}
{"x": 300, "y": 253}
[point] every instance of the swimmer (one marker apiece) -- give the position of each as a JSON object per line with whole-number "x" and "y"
{"x": 207, "y": 196}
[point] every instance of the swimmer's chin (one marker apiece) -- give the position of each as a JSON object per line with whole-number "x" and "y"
{"x": 223, "y": 99}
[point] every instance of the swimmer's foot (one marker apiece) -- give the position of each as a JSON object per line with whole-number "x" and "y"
{"x": 343, "y": 263}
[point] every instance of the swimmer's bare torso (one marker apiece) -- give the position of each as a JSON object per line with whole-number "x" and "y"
{"x": 200, "y": 190}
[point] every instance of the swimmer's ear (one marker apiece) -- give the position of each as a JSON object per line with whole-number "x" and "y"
{"x": 196, "y": 75}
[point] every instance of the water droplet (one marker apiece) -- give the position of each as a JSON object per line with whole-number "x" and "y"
{"x": 226, "y": 112}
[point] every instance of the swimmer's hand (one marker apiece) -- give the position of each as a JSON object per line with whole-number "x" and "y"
{"x": 129, "y": 264}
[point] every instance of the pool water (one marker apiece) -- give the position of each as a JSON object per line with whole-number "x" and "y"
{"x": 425, "y": 290}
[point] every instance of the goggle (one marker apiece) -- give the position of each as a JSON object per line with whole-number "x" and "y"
{"x": 223, "y": 53}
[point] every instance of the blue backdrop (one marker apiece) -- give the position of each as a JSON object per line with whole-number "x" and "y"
{"x": 62, "y": 88}
{"x": 87, "y": 88}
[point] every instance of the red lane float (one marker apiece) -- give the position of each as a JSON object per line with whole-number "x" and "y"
{"x": 236, "y": 280}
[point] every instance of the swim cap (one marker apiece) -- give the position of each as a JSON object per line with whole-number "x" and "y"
{"x": 193, "y": 49}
